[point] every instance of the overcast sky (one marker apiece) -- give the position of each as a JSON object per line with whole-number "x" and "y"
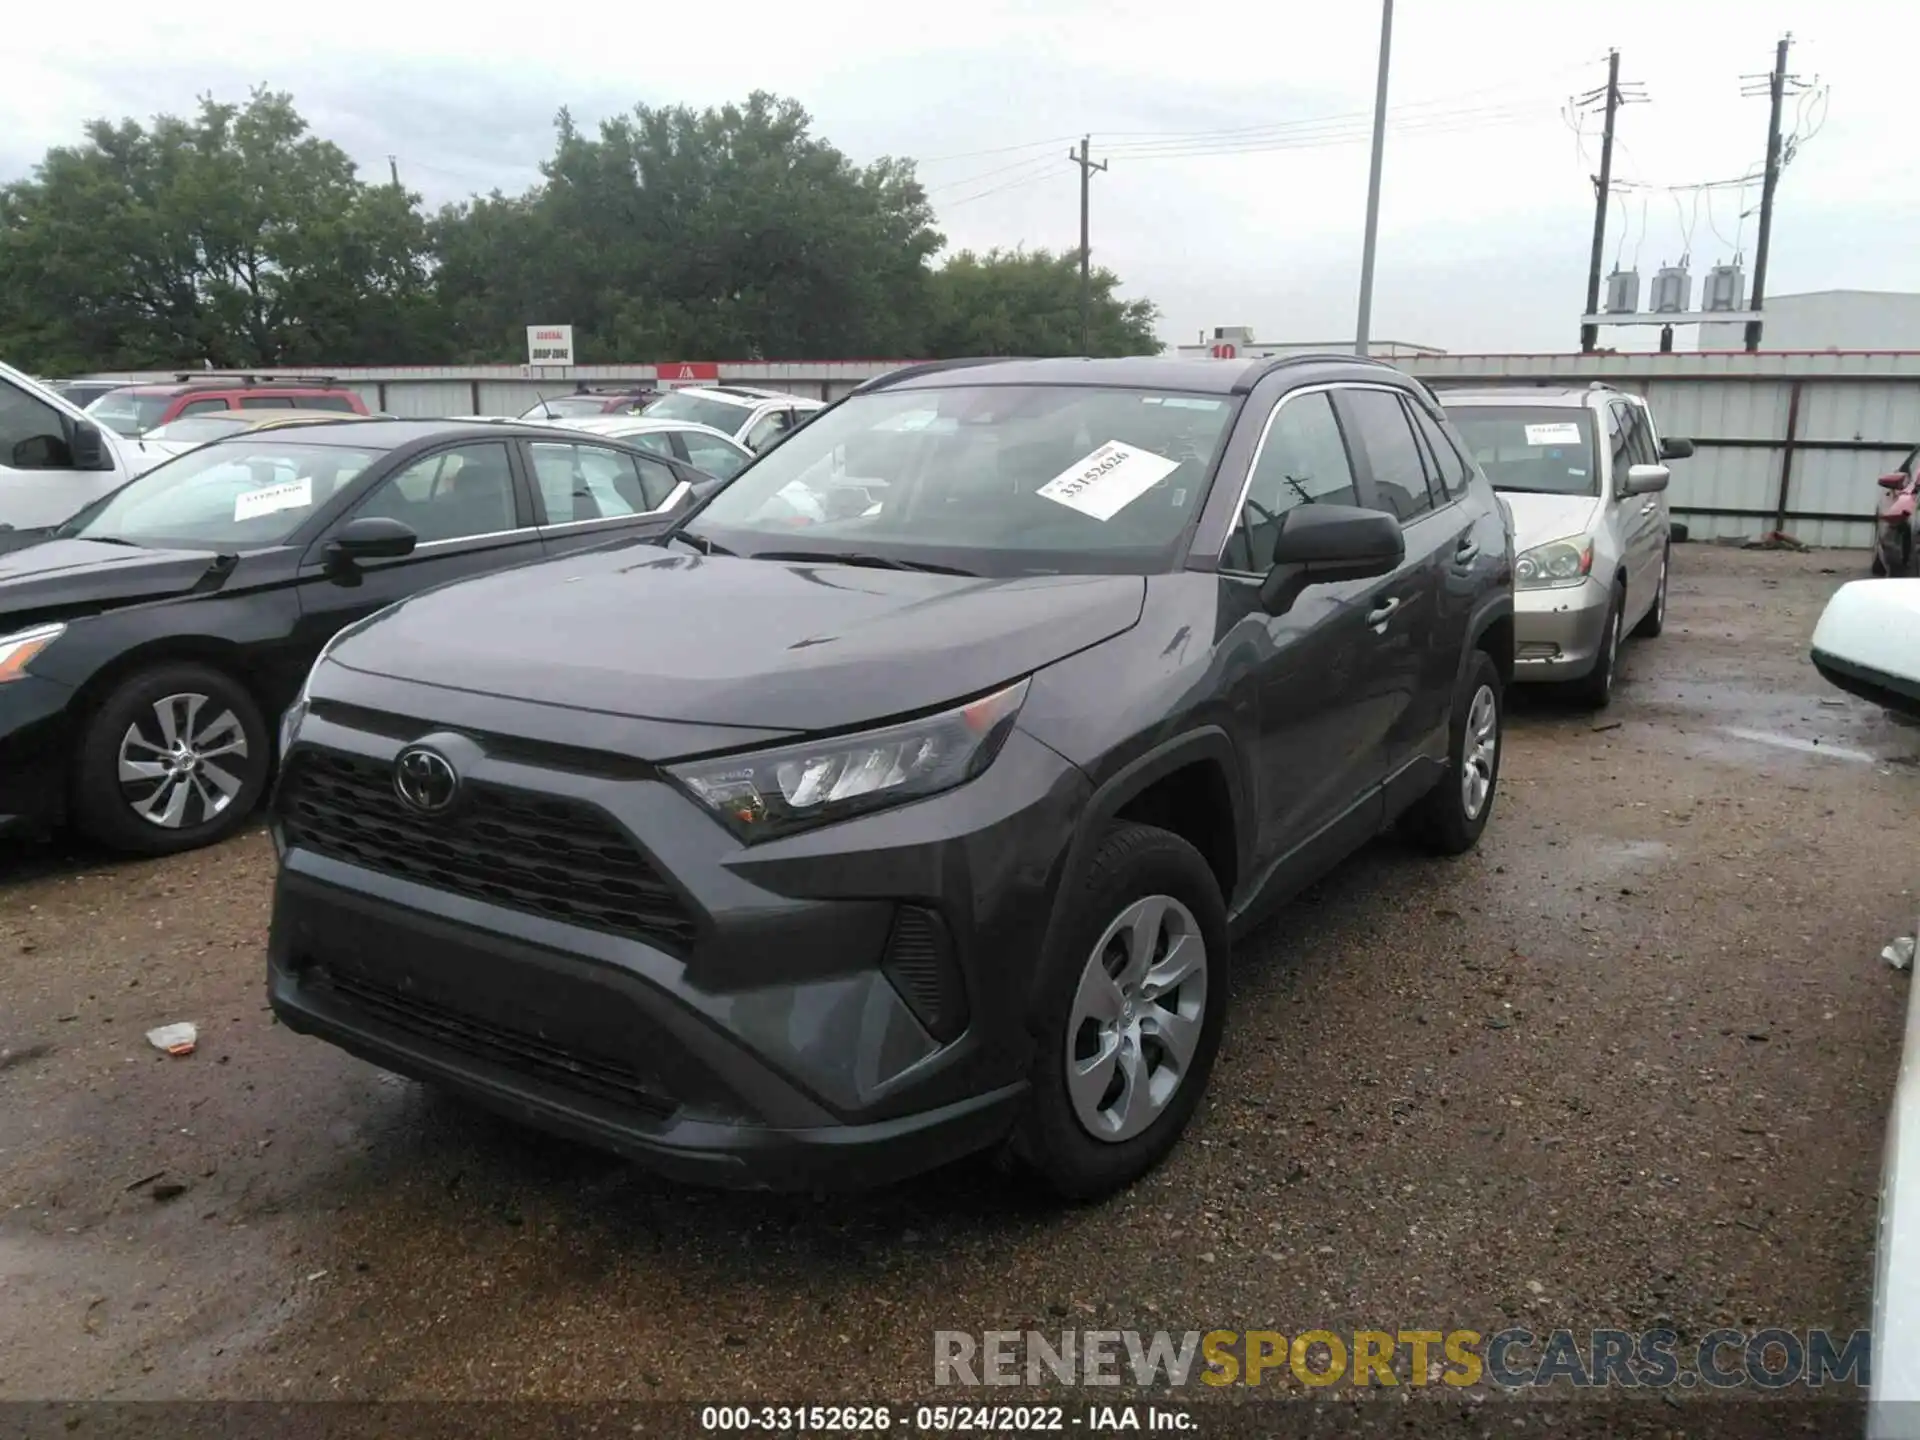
{"x": 1236, "y": 132}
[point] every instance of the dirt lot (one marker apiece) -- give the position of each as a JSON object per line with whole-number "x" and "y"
{"x": 1628, "y": 1061}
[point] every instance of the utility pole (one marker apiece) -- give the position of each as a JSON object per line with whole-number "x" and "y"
{"x": 1602, "y": 185}
{"x": 393, "y": 169}
{"x": 1363, "y": 323}
{"x": 1081, "y": 158}
{"x": 1776, "y": 91}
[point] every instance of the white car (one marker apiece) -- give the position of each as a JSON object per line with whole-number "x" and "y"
{"x": 700, "y": 446}
{"x": 1868, "y": 642}
{"x": 55, "y": 459}
{"x": 753, "y": 416}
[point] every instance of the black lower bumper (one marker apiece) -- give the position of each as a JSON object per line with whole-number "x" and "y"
{"x": 1892, "y": 692}
{"x": 36, "y": 732}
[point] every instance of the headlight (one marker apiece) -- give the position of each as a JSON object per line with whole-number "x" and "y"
{"x": 776, "y": 792}
{"x": 1559, "y": 564}
{"x": 21, "y": 646}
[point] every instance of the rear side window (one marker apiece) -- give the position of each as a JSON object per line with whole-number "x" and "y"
{"x": 1448, "y": 468}
{"x": 1386, "y": 436}
{"x": 587, "y": 482}
{"x": 201, "y": 407}
{"x": 1302, "y": 461}
{"x": 338, "y": 403}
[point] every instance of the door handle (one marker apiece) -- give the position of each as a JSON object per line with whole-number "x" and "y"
{"x": 1378, "y": 617}
{"x": 1649, "y": 508}
{"x": 1466, "y": 553}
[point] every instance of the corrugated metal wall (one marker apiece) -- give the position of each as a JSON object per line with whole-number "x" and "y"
{"x": 1831, "y": 423}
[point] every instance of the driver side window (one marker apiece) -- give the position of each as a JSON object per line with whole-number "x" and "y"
{"x": 31, "y": 435}
{"x": 1302, "y": 460}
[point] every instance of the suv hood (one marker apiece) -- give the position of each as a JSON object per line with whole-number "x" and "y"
{"x": 52, "y": 576}
{"x": 652, "y": 634}
{"x": 1540, "y": 518}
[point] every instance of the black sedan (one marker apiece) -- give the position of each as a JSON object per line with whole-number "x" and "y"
{"x": 146, "y": 645}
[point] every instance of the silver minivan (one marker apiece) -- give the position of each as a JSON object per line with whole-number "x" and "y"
{"x": 1585, "y": 473}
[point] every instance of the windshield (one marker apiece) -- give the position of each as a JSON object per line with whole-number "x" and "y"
{"x": 701, "y": 409}
{"x": 1539, "y": 449}
{"x": 561, "y": 405}
{"x": 127, "y": 412}
{"x": 990, "y": 479}
{"x": 245, "y": 494}
{"x": 201, "y": 427}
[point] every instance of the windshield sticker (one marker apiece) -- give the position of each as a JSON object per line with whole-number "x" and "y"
{"x": 1108, "y": 480}
{"x": 294, "y": 495}
{"x": 1559, "y": 433}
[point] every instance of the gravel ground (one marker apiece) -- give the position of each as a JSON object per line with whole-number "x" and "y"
{"x": 1625, "y": 1065}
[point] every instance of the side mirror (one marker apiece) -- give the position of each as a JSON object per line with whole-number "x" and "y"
{"x": 371, "y": 537}
{"x": 1671, "y": 449}
{"x": 88, "y": 447}
{"x": 1895, "y": 481}
{"x": 1317, "y": 544}
{"x": 1645, "y": 479}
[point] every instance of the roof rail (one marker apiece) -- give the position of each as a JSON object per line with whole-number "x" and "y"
{"x": 1262, "y": 368}
{"x": 933, "y": 367}
{"x": 241, "y": 377}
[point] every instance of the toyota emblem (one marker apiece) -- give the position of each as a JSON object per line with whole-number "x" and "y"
{"x": 424, "y": 779}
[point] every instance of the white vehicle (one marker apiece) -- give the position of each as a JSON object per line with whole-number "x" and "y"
{"x": 1868, "y": 643}
{"x": 55, "y": 459}
{"x": 1893, "y": 1395}
{"x": 700, "y": 446}
{"x": 754, "y": 417}
{"x": 1584, "y": 474}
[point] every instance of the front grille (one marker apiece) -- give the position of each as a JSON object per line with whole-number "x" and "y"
{"x": 515, "y": 1049}
{"x": 543, "y": 854}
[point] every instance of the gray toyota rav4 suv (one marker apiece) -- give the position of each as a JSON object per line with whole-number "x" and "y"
{"x": 904, "y": 801}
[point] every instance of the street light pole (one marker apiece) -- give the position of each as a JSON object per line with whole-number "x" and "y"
{"x": 1365, "y": 321}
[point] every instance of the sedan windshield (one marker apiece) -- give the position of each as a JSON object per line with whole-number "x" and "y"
{"x": 1531, "y": 449}
{"x": 987, "y": 479}
{"x": 702, "y": 410}
{"x": 247, "y": 493}
{"x": 128, "y": 412}
{"x": 562, "y": 406}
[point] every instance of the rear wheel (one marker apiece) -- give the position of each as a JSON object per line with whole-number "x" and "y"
{"x": 177, "y": 757}
{"x": 1655, "y": 620}
{"x": 1595, "y": 688}
{"x": 1131, "y": 1013}
{"x": 1448, "y": 819}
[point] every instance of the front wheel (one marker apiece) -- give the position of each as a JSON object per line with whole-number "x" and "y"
{"x": 176, "y": 757}
{"x": 1595, "y": 688}
{"x": 1449, "y": 818}
{"x": 1132, "y": 1006}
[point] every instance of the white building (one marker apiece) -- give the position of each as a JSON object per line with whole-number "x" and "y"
{"x": 1236, "y": 342}
{"x": 1828, "y": 320}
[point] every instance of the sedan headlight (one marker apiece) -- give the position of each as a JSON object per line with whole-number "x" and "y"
{"x": 776, "y": 792}
{"x": 21, "y": 646}
{"x": 1557, "y": 565}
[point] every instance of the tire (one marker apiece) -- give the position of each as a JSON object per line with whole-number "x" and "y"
{"x": 1449, "y": 818}
{"x": 1595, "y": 689}
{"x": 1080, "y": 1142}
{"x": 190, "y": 804}
{"x": 1655, "y": 620}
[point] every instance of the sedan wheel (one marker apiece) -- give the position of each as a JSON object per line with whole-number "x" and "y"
{"x": 1480, "y": 758}
{"x": 1136, "y": 1018}
{"x": 173, "y": 758}
{"x": 178, "y": 762}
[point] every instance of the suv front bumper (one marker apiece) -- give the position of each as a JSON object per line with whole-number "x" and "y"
{"x": 1557, "y": 633}
{"x": 773, "y": 1050}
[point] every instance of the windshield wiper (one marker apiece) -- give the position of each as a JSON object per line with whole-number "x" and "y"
{"x": 104, "y": 540}
{"x": 855, "y": 557}
{"x": 700, "y": 543}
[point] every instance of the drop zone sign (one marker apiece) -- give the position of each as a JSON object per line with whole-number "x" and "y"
{"x": 549, "y": 344}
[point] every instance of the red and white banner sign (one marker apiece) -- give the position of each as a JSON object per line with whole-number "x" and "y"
{"x": 549, "y": 344}
{"x": 687, "y": 372}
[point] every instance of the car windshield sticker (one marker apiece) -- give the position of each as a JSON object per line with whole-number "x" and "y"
{"x": 1108, "y": 480}
{"x": 1559, "y": 433}
{"x": 294, "y": 495}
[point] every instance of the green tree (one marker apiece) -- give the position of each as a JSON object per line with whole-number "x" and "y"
{"x": 234, "y": 238}
{"x": 730, "y": 231}
{"x": 1023, "y": 302}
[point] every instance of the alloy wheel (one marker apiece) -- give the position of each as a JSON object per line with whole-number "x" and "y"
{"x": 170, "y": 763}
{"x": 1136, "y": 1018}
{"x": 1481, "y": 749}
